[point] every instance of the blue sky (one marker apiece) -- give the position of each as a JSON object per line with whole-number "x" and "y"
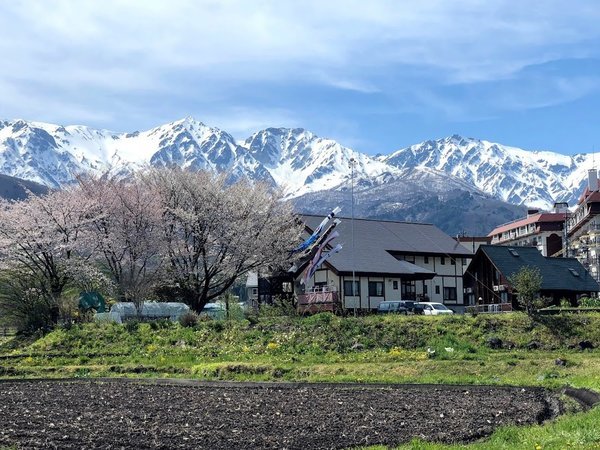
{"x": 374, "y": 75}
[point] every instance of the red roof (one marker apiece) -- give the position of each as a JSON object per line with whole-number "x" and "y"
{"x": 586, "y": 193}
{"x": 536, "y": 218}
{"x": 589, "y": 196}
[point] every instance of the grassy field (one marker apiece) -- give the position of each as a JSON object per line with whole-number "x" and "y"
{"x": 390, "y": 349}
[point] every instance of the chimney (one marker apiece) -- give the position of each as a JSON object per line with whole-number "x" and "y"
{"x": 561, "y": 207}
{"x": 592, "y": 180}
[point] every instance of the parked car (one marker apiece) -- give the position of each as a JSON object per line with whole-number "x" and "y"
{"x": 412, "y": 306}
{"x": 434, "y": 309}
{"x": 396, "y": 306}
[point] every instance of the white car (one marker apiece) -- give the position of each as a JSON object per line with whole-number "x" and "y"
{"x": 434, "y": 309}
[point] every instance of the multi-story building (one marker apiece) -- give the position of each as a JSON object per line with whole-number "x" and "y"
{"x": 583, "y": 227}
{"x": 560, "y": 232}
{"x": 390, "y": 261}
{"x": 544, "y": 230}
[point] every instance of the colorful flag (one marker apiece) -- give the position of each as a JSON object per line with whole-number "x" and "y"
{"x": 317, "y": 254}
{"x": 313, "y": 238}
{"x": 321, "y": 260}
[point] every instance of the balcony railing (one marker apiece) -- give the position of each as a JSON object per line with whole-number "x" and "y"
{"x": 319, "y": 299}
{"x": 494, "y": 308}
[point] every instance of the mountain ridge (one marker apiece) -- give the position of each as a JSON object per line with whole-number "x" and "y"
{"x": 295, "y": 159}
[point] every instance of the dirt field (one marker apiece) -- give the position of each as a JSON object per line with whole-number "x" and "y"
{"x": 124, "y": 414}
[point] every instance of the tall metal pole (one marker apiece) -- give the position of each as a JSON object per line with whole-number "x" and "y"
{"x": 566, "y": 247}
{"x": 352, "y": 162}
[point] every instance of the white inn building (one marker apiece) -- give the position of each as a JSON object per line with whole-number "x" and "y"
{"x": 391, "y": 261}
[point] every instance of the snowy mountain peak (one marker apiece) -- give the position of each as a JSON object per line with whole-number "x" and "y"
{"x": 294, "y": 158}
{"x": 511, "y": 174}
{"x": 302, "y": 162}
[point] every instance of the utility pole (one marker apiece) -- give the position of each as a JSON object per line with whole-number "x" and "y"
{"x": 566, "y": 227}
{"x": 352, "y": 164}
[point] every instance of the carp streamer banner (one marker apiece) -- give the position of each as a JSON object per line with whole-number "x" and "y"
{"x": 314, "y": 249}
{"x": 307, "y": 244}
{"x": 320, "y": 257}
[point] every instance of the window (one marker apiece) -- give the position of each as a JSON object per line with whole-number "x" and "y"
{"x": 348, "y": 291}
{"x": 439, "y": 307}
{"x": 254, "y": 291}
{"x": 409, "y": 258}
{"x": 496, "y": 277}
{"x": 286, "y": 286}
{"x": 443, "y": 261}
{"x": 437, "y": 289}
{"x": 450, "y": 294}
{"x": 375, "y": 288}
{"x": 464, "y": 261}
{"x": 408, "y": 290}
{"x": 395, "y": 285}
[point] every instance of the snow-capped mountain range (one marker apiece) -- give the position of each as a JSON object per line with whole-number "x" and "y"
{"x": 295, "y": 159}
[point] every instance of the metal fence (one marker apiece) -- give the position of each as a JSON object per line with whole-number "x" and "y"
{"x": 494, "y": 308}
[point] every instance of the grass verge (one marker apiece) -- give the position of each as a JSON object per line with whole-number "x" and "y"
{"x": 325, "y": 348}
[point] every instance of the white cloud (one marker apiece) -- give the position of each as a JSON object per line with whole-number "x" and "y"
{"x": 257, "y": 38}
{"x": 552, "y": 91}
{"x": 87, "y": 51}
{"x": 242, "y": 121}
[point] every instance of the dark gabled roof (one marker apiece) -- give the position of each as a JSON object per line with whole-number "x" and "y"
{"x": 376, "y": 240}
{"x": 558, "y": 274}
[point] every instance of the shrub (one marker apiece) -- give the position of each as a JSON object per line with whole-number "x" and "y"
{"x": 281, "y": 307}
{"x": 216, "y": 325}
{"x": 235, "y": 311}
{"x": 189, "y": 319}
{"x": 527, "y": 282}
{"x": 472, "y": 310}
{"x": 318, "y": 319}
{"x": 132, "y": 325}
{"x": 564, "y": 303}
{"x": 587, "y": 302}
{"x": 25, "y": 303}
{"x": 160, "y": 324}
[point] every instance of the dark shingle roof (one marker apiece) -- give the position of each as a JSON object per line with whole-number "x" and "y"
{"x": 375, "y": 239}
{"x": 564, "y": 274}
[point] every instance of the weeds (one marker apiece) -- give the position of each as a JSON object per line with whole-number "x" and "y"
{"x": 329, "y": 348}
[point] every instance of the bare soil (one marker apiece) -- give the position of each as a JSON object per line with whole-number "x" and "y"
{"x": 115, "y": 414}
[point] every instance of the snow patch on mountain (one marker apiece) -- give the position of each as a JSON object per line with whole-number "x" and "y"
{"x": 511, "y": 174}
{"x": 301, "y": 162}
{"x": 293, "y": 158}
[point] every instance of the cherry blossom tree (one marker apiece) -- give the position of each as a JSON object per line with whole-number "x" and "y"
{"x": 214, "y": 232}
{"x": 127, "y": 233}
{"x": 181, "y": 235}
{"x": 42, "y": 242}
